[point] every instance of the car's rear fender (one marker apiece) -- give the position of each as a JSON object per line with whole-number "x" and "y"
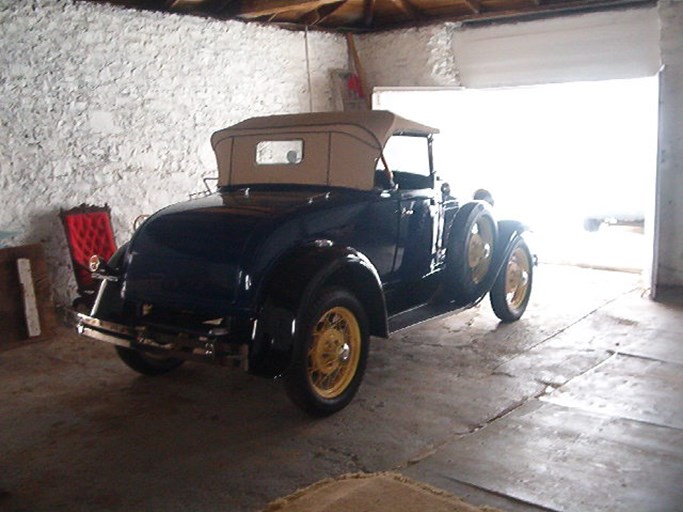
{"x": 294, "y": 283}
{"x": 108, "y": 303}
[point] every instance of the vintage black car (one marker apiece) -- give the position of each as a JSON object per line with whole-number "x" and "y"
{"x": 325, "y": 229}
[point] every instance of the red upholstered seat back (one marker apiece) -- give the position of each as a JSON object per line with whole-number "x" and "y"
{"x": 88, "y": 233}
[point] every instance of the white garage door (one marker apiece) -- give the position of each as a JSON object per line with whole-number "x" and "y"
{"x": 600, "y": 46}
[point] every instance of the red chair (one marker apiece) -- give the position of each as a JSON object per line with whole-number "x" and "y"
{"x": 88, "y": 231}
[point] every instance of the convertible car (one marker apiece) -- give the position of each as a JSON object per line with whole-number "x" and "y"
{"x": 325, "y": 229}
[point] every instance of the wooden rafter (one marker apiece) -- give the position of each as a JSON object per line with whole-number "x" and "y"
{"x": 408, "y": 8}
{"x": 185, "y": 4}
{"x": 320, "y": 14}
{"x": 372, "y": 15}
{"x": 257, "y": 8}
{"x": 368, "y": 12}
{"x": 473, "y": 5}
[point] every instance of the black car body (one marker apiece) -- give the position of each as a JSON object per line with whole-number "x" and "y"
{"x": 309, "y": 246}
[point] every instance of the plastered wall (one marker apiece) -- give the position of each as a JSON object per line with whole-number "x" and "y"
{"x": 668, "y": 264}
{"x": 102, "y": 104}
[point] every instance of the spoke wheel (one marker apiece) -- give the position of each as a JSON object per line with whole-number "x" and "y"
{"x": 334, "y": 353}
{"x": 512, "y": 289}
{"x": 479, "y": 250}
{"x": 329, "y": 360}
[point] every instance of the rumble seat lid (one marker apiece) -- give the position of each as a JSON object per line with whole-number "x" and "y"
{"x": 341, "y": 147}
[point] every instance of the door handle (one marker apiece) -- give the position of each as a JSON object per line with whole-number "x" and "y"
{"x": 406, "y": 210}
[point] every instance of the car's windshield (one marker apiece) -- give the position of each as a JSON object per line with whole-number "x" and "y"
{"x": 406, "y": 153}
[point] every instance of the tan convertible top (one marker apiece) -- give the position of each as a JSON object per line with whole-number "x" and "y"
{"x": 339, "y": 148}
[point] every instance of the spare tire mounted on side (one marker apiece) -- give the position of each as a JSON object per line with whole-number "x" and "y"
{"x": 469, "y": 255}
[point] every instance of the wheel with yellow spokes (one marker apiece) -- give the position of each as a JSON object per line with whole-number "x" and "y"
{"x": 470, "y": 252}
{"x": 329, "y": 359}
{"x": 512, "y": 288}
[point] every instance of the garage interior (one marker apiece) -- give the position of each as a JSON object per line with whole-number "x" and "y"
{"x": 576, "y": 407}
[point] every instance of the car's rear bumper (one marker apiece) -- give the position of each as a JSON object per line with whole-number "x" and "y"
{"x": 215, "y": 345}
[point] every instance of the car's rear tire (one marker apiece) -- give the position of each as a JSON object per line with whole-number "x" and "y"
{"x": 469, "y": 255}
{"x": 330, "y": 355}
{"x": 512, "y": 289}
{"x": 146, "y": 364}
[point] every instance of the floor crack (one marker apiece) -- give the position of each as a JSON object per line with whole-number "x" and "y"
{"x": 473, "y": 430}
{"x": 563, "y": 329}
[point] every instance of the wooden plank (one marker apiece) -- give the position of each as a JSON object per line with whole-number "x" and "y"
{"x": 368, "y": 12}
{"x": 473, "y": 5}
{"x": 13, "y": 331}
{"x": 257, "y": 8}
{"x": 321, "y": 14}
{"x": 408, "y": 8}
{"x": 29, "y": 297}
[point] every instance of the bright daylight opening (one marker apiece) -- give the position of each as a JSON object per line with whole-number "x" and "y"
{"x": 575, "y": 161}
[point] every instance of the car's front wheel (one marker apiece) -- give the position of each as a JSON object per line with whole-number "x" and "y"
{"x": 512, "y": 289}
{"x": 332, "y": 348}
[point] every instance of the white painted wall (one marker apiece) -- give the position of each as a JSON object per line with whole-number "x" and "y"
{"x": 668, "y": 264}
{"x": 102, "y": 104}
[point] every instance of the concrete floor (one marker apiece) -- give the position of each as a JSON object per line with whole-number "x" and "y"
{"x": 577, "y": 407}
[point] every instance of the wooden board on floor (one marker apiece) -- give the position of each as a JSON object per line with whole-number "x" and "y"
{"x": 13, "y": 328}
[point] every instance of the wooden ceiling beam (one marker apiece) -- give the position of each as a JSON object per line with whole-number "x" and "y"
{"x": 408, "y": 8}
{"x": 258, "y": 8}
{"x": 473, "y": 5}
{"x": 319, "y": 15}
{"x": 368, "y": 12}
{"x": 185, "y": 4}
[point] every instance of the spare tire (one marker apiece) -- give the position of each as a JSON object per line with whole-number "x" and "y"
{"x": 469, "y": 253}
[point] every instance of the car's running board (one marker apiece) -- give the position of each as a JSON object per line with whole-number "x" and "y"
{"x": 423, "y": 313}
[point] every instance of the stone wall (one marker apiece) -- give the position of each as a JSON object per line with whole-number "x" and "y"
{"x": 104, "y": 104}
{"x": 420, "y": 57}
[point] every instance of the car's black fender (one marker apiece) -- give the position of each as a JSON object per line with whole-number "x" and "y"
{"x": 108, "y": 303}
{"x": 508, "y": 232}
{"x": 294, "y": 283}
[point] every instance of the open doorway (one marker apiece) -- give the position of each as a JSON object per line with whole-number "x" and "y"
{"x": 576, "y": 161}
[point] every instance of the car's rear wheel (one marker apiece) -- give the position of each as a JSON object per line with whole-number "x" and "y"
{"x": 470, "y": 253}
{"x": 512, "y": 289}
{"x": 147, "y": 364}
{"x": 332, "y": 348}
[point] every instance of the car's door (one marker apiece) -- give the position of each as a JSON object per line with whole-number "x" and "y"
{"x": 416, "y": 249}
{"x": 420, "y": 207}
{"x": 377, "y": 232}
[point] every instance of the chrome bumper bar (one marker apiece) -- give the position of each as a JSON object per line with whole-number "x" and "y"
{"x": 209, "y": 348}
